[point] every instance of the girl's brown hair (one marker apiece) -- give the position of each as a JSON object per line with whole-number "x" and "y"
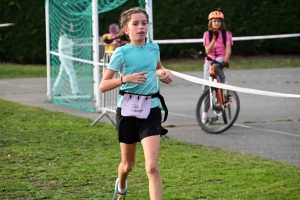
{"x": 122, "y": 37}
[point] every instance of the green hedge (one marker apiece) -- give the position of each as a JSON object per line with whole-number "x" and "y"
{"x": 188, "y": 19}
{"x": 25, "y": 41}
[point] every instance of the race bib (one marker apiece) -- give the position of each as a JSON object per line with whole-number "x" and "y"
{"x": 136, "y": 106}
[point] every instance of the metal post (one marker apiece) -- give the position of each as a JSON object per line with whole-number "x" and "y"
{"x": 96, "y": 71}
{"x": 48, "y": 94}
{"x": 150, "y": 25}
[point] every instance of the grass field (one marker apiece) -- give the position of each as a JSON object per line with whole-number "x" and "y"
{"x": 52, "y": 155}
{"x": 237, "y": 62}
{"x": 180, "y": 65}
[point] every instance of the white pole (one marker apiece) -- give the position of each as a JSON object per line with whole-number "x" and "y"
{"x": 48, "y": 94}
{"x": 7, "y": 24}
{"x": 96, "y": 70}
{"x": 149, "y": 11}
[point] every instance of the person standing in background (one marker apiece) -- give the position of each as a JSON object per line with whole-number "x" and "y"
{"x": 65, "y": 47}
{"x": 109, "y": 39}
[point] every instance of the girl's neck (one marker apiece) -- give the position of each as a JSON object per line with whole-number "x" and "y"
{"x": 137, "y": 43}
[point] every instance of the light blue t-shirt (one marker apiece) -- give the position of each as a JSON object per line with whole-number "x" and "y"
{"x": 130, "y": 59}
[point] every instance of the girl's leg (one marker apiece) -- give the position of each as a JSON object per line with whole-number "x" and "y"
{"x": 220, "y": 71}
{"x": 205, "y": 74}
{"x": 128, "y": 160}
{"x": 58, "y": 81}
{"x": 151, "y": 147}
{"x": 72, "y": 75}
{"x": 221, "y": 76}
{"x": 206, "y": 77}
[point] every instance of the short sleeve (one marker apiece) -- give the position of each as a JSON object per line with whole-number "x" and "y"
{"x": 206, "y": 38}
{"x": 116, "y": 60}
{"x": 158, "y": 53}
{"x": 229, "y": 38}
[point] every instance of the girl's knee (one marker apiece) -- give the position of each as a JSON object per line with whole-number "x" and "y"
{"x": 127, "y": 167}
{"x": 152, "y": 168}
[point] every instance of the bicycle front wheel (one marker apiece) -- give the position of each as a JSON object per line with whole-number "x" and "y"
{"x": 217, "y": 122}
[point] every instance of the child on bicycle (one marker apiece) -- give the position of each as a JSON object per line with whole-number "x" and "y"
{"x": 139, "y": 64}
{"x": 217, "y": 42}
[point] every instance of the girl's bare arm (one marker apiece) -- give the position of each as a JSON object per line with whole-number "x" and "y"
{"x": 164, "y": 74}
{"x": 228, "y": 52}
{"x": 108, "y": 82}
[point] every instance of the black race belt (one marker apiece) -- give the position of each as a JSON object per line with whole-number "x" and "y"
{"x": 158, "y": 95}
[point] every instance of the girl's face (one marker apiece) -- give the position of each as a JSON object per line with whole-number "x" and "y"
{"x": 216, "y": 23}
{"x": 137, "y": 29}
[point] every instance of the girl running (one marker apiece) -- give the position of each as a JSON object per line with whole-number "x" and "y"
{"x": 138, "y": 63}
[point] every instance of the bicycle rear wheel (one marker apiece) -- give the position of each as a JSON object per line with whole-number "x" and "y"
{"x": 218, "y": 123}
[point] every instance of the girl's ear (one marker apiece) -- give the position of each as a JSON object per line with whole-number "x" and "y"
{"x": 125, "y": 30}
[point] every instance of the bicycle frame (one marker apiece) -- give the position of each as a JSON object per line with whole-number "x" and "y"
{"x": 214, "y": 78}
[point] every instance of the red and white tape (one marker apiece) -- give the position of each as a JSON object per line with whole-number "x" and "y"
{"x": 7, "y": 24}
{"x": 180, "y": 41}
{"x": 231, "y": 87}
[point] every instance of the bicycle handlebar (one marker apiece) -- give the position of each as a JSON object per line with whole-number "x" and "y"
{"x": 212, "y": 60}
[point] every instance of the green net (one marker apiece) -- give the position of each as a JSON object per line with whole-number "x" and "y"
{"x": 142, "y": 4}
{"x": 71, "y": 37}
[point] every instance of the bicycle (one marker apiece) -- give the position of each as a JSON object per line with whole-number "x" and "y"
{"x": 224, "y": 105}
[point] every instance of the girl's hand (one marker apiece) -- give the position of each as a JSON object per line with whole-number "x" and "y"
{"x": 166, "y": 77}
{"x": 215, "y": 35}
{"x": 137, "y": 78}
{"x": 226, "y": 63}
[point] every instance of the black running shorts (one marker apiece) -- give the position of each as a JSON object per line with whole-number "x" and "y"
{"x": 132, "y": 129}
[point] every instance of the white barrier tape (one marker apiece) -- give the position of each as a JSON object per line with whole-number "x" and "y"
{"x": 180, "y": 41}
{"x": 78, "y": 59}
{"x": 266, "y": 37}
{"x": 7, "y": 24}
{"x": 230, "y": 87}
{"x": 199, "y": 81}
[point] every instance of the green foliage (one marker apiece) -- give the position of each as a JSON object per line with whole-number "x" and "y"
{"x": 113, "y": 16}
{"x": 188, "y": 19}
{"x": 25, "y": 41}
